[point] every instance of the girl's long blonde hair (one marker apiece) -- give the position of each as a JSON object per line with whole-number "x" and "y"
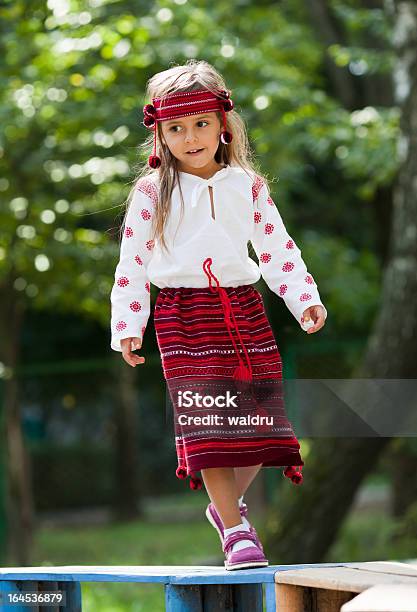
{"x": 195, "y": 74}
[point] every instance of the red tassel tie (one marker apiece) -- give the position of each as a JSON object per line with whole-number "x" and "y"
{"x": 294, "y": 473}
{"x": 154, "y": 160}
{"x": 181, "y": 472}
{"x": 195, "y": 482}
{"x": 242, "y": 372}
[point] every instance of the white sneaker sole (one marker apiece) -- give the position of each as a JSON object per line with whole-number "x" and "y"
{"x": 245, "y": 564}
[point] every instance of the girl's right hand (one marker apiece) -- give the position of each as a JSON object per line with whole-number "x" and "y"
{"x": 129, "y": 344}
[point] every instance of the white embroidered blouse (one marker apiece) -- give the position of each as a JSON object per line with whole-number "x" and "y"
{"x": 242, "y": 210}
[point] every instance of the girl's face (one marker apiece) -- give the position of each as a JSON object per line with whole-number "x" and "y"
{"x": 189, "y": 133}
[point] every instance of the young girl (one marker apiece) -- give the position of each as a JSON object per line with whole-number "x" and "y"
{"x": 190, "y": 217}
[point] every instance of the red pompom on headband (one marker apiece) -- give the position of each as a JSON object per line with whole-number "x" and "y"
{"x": 182, "y": 104}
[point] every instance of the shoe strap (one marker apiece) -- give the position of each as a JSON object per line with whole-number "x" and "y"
{"x": 244, "y": 512}
{"x": 237, "y": 536}
{"x": 243, "y": 509}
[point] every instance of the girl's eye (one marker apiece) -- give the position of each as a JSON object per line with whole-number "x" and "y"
{"x": 175, "y": 126}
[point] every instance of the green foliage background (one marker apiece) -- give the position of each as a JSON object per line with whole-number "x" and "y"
{"x": 73, "y": 76}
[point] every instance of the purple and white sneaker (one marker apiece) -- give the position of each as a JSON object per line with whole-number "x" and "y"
{"x": 215, "y": 520}
{"x": 250, "y": 556}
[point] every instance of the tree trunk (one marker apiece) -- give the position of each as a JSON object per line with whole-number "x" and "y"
{"x": 401, "y": 463}
{"x": 310, "y": 517}
{"x": 330, "y": 31}
{"x": 19, "y": 498}
{"x": 351, "y": 91}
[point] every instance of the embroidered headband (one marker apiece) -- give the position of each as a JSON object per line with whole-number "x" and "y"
{"x": 182, "y": 104}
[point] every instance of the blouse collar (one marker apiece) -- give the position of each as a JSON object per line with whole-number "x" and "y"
{"x": 200, "y": 184}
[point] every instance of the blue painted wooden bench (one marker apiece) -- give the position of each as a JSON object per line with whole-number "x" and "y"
{"x": 187, "y": 588}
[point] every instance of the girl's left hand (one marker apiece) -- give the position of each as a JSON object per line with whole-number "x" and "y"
{"x": 316, "y": 313}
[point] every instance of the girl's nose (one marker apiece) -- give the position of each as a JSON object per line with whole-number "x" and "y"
{"x": 189, "y": 137}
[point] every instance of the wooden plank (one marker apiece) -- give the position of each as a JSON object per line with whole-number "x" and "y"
{"x": 217, "y": 598}
{"x": 247, "y": 598}
{"x": 270, "y": 599}
{"x": 48, "y": 586}
{"x": 293, "y": 598}
{"x": 179, "y": 598}
{"x": 176, "y": 574}
{"x": 18, "y": 587}
{"x": 384, "y": 598}
{"x": 182, "y": 574}
{"x": 329, "y": 600}
{"x": 73, "y": 595}
{"x": 219, "y": 575}
{"x": 340, "y": 578}
{"x": 387, "y": 567}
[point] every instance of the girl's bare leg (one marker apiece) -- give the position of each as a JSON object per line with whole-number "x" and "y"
{"x": 244, "y": 476}
{"x": 222, "y": 489}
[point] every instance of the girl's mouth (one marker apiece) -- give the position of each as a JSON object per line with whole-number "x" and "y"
{"x": 194, "y": 152}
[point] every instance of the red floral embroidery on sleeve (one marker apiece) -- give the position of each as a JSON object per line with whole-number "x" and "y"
{"x": 288, "y": 266}
{"x": 135, "y": 306}
{"x": 148, "y": 187}
{"x": 128, "y": 232}
{"x": 304, "y": 297}
{"x": 257, "y": 217}
{"x": 283, "y": 289}
{"x": 150, "y": 245}
{"x": 138, "y": 260}
{"x": 146, "y": 215}
{"x": 123, "y": 281}
{"x": 265, "y": 257}
{"x": 269, "y": 228}
{"x": 257, "y": 185}
{"x": 121, "y": 325}
{"x": 309, "y": 279}
{"x": 290, "y": 244}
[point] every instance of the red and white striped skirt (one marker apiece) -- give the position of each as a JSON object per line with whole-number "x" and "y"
{"x": 198, "y": 332}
